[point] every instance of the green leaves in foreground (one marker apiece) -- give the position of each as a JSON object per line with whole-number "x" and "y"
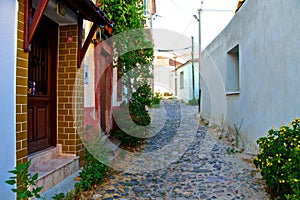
{"x": 26, "y": 187}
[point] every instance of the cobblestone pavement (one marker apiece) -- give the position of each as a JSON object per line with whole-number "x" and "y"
{"x": 207, "y": 169}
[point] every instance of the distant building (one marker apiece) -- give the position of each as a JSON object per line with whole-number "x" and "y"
{"x": 185, "y": 79}
{"x": 149, "y": 12}
{"x": 165, "y": 78}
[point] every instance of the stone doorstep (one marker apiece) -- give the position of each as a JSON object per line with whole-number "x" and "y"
{"x": 52, "y": 167}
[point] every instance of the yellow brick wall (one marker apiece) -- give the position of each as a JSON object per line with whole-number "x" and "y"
{"x": 21, "y": 90}
{"x": 70, "y": 93}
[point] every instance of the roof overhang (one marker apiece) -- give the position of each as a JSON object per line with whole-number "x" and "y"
{"x": 83, "y": 9}
{"x": 90, "y": 12}
{"x": 59, "y": 12}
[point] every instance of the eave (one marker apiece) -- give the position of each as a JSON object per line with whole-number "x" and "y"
{"x": 86, "y": 9}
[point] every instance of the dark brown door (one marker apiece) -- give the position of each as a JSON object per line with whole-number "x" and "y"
{"x": 41, "y": 108}
{"x": 105, "y": 91}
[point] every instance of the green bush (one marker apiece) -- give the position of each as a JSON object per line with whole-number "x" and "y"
{"x": 93, "y": 172}
{"x": 123, "y": 129}
{"x": 137, "y": 105}
{"x": 137, "y": 113}
{"x": 279, "y": 160}
{"x": 156, "y": 98}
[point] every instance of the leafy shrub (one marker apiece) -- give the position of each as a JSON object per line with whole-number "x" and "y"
{"x": 279, "y": 160}
{"x": 130, "y": 135}
{"x": 156, "y": 98}
{"x": 135, "y": 110}
{"x": 96, "y": 160}
{"x": 137, "y": 105}
{"x": 59, "y": 196}
{"x": 93, "y": 172}
{"x": 71, "y": 195}
{"x": 26, "y": 187}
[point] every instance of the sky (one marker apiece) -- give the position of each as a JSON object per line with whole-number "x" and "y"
{"x": 176, "y": 16}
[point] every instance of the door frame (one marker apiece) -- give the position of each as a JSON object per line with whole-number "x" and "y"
{"x": 52, "y": 81}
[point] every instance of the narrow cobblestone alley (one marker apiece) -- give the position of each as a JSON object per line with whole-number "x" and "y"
{"x": 205, "y": 170}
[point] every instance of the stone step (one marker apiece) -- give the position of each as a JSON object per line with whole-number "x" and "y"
{"x": 65, "y": 186}
{"x": 52, "y": 167}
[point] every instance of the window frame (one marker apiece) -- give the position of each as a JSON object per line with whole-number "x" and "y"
{"x": 233, "y": 82}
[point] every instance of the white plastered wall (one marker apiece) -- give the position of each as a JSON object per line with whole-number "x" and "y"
{"x": 8, "y": 40}
{"x": 269, "y": 69}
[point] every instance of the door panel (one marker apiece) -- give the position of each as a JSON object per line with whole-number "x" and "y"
{"x": 39, "y": 131}
{"x": 42, "y": 125}
{"x": 30, "y": 123}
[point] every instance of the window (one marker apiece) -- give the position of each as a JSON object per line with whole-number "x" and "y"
{"x": 181, "y": 80}
{"x": 233, "y": 71}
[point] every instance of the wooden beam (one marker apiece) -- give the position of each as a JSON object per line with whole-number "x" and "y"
{"x": 88, "y": 41}
{"x": 26, "y": 18}
{"x": 41, "y": 7}
{"x": 80, "y": 27}
{"x": 80, "y": 9}
{"x": 30, "y": 29}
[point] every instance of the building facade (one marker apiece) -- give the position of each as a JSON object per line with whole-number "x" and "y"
{"x": 45, "y": 48}
{"x": 187, "y": 81}
{"x": 250, "y": 70}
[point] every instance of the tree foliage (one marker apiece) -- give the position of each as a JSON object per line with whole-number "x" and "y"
{"x": 136, "y": 61}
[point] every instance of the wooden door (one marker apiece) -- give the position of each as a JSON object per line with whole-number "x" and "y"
{"x": 103, "y": 85}
{"x": 41, "y": 108}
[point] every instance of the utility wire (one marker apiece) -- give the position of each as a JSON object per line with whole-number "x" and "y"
{"x": 182, "y": 34}
{"x": 190, "y": 23}
{"x": 180, "y": 8}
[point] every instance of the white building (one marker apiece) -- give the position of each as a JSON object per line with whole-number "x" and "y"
{"x": 251, "y": 69}
{"x": 8, "y": 48}
{"x": 186, "y": 87}
{"x": 165, "y": 78}
{"x": 163, "y": 75}
{"x": 149, "y": 11}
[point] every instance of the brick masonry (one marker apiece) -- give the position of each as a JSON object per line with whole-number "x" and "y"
{"x": 21, "y": 90}
{"x": 70, "y": 93}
